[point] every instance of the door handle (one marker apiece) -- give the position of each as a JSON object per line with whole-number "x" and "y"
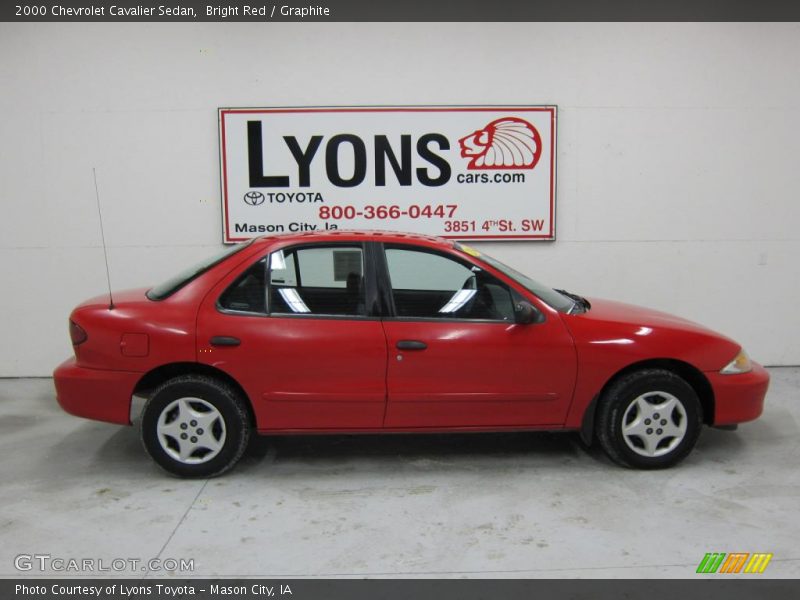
{"x": 411, "y": 345}
{"x": 224, "y": 340}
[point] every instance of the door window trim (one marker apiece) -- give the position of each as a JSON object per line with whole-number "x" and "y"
{"x": 379, "y": 300}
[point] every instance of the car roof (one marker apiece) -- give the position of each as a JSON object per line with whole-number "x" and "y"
{"x": 350, "y": 235}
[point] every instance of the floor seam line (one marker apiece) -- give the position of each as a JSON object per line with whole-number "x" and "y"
{"x": 180, "y": 522}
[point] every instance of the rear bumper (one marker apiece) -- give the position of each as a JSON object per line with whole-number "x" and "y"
{"x": 739, "y": 398}
{"x": 95, "y": 394}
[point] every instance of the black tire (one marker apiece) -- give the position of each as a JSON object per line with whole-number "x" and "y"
{"x": 214, "y": 450}
{"x": 624, "y": 425}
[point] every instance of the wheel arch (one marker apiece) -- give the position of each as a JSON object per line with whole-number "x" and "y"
{"x": 691, "y": 374}
{"x": 155, "y": 377}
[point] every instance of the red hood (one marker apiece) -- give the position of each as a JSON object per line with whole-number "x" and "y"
{"x": 619, "y": 312}
{"x": 625, "y": 330}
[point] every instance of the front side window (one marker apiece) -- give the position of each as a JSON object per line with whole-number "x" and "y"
{"x": 317, "y": 281}
{"x": 429, "y": 285}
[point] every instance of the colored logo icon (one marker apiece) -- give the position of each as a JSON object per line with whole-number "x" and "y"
{"x": 734, "y": 562}
{"x": 507, "y": 143}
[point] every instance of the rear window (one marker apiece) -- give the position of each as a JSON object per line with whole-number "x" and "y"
{"x": 173, "y": 284}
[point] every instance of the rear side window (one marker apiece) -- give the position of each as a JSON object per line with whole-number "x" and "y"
{"x": 317, "y": 280}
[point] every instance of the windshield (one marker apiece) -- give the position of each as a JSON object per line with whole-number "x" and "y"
{"x": 549, "y": 295}
{"x": 173, "y": 284}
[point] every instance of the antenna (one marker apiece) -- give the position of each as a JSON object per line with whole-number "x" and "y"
{"x": 103, "y": 237}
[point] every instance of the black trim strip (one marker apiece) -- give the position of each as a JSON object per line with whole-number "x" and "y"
{"x": 224, "y": 340}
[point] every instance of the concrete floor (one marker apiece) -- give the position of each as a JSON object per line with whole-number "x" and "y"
{"x": 510, "y": 505}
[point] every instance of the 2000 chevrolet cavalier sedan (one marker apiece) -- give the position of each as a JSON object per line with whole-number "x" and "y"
{"x": 383, "y": 332}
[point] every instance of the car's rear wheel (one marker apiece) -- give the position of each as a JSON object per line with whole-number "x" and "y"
{"x": 649, "y": 419}
{"x": 195, "y": 426}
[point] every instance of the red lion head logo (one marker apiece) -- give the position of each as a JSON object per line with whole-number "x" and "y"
{"x": 507, "y": 143}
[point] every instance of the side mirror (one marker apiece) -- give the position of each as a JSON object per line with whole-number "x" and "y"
{"x": 525, "y": 313}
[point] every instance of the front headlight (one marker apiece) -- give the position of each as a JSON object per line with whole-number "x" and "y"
{"x": 740, "y": 364}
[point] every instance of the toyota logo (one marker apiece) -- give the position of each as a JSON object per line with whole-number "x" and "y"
{"x": 254, "y": 198}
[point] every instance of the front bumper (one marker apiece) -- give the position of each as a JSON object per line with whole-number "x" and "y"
{"x": 94, "y": 393}
{"x": 739, "y": 398}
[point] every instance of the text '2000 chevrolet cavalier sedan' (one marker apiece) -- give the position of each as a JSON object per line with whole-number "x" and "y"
{"x": 348, "y": 332}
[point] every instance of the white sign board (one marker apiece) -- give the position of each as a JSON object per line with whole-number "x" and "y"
{"x": 468, "y": 173}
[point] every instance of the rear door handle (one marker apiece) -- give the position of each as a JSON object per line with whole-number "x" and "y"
{"x": 224, "y": 340}
{"x": 411, "y": 345}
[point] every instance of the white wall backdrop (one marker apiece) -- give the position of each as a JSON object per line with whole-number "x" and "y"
{"x": 678, "y": 151}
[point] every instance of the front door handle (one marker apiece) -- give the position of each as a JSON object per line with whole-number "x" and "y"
{"x": 411, "y": 345}
{"x": 224, "y": 340}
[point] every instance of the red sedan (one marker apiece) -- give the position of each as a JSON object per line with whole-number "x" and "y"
{"x": 385, "y": 332}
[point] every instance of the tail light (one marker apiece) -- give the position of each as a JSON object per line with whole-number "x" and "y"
{"x": 77, "y": 333}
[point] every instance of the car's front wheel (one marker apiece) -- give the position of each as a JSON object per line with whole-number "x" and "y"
{"x": 649, "y": 419}
{"x": 195, "y": 426}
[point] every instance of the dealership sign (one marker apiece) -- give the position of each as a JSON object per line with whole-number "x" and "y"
{"x": 470, "y": 173}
